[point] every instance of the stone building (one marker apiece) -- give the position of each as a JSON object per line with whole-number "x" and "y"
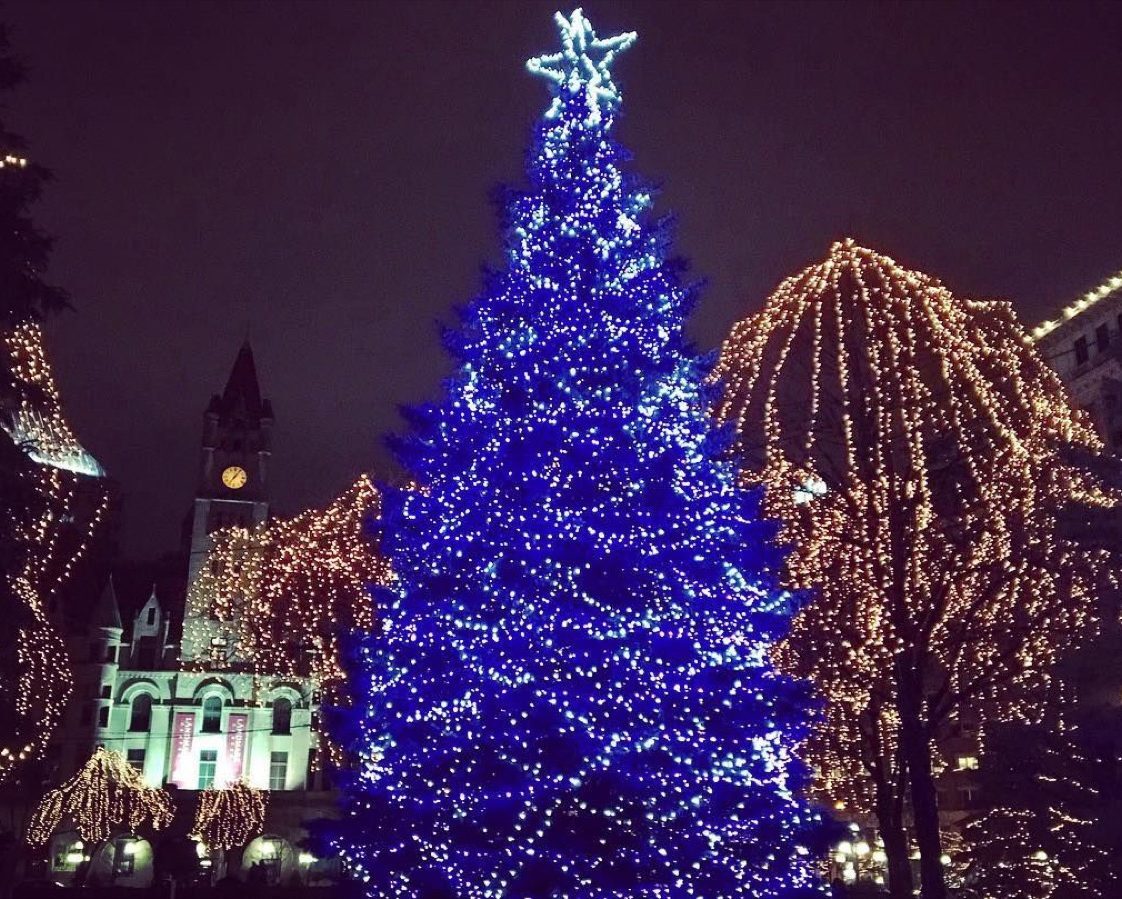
{"x": 1084, "y": 346}
{"x": 166, "y": 689}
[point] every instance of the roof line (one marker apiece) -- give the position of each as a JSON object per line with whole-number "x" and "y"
{"x": 1069, "y": 312}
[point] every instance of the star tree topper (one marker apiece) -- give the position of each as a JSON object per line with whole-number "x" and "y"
{"x": 576, "y": 69}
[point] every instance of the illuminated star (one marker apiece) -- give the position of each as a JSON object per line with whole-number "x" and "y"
{"x": 576, "y": 69}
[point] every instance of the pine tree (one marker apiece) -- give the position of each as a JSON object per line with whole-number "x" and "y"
{"x": 570, "y": 694}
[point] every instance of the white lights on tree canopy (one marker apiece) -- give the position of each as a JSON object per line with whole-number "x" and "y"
{"x": 911, "y": 440}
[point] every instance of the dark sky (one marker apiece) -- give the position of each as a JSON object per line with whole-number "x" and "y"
{"x": 322, "y": 170}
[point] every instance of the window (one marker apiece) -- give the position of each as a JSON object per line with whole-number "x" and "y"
{"x": 1081, "y": 351}
{"x": 278, "y": 770}
{"x": 151, "y": 615}
{"x": 208, "y": 764}
{"x": 218, "y": 650}
{"x": 135, "y": 757}
{"x": 103, "y": 716}
{"x": 966, "y": 763}
{"x": 106, "y": 691}
{"x": 967, "y": 797}
{"x": 282, "y": 716}
{"x": 141, "y": 717}
{"x": 1102, "y": 337}
{"x": 111, "y": 654}
{"x": 212, "y": 715}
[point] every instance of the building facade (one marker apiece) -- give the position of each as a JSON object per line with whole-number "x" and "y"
{"x": 175, "y": 698}
{"x": 1084, "y": 346}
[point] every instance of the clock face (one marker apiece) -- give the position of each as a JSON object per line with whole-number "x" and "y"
{"x": 234, "y": 477}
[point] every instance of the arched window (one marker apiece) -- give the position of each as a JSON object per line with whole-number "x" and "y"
{"x": 212, "y": 715}
{"x": 141, "y": 717}
{"x": 282, "y": 716}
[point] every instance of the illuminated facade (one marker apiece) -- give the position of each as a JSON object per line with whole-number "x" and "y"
{"x": 161, "y": 689}
{"x": 1084, "y": 345}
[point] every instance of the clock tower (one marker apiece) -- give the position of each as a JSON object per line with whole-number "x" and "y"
{"x": 233, "y": 485}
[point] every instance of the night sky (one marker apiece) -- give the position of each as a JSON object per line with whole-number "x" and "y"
{"x": 321, "y": 172}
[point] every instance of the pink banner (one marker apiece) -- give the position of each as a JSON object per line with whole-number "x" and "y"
{"x": 235, "y": 746}
{"x": 182, "y": 741}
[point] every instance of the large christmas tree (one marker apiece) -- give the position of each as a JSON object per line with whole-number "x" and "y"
{"x": 569, "y": 694}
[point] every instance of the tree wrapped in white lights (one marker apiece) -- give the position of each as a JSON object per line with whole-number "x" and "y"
{"x": 42, "y": 530}
{"x": 228, "y": 817}
{"x": 47, "y": 527}
{"x": 910, "y": 441}
{"x": 107, "y": 793}
{"x": 290, "y": 588}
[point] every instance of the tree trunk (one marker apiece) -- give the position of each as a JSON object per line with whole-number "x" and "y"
{"x": 925, "y": 804}
{"x": 234, "y": 862}
{"x": 891, "y": 826}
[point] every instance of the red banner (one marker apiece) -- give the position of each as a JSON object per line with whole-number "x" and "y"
{"x": 182, "y": 742}
{"x": 235, "y": 746}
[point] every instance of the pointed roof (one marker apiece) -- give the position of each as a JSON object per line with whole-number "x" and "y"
{"x": 243, "y": 393}
{"x": 152, "y": 597}
{"x": 108, "y": 613}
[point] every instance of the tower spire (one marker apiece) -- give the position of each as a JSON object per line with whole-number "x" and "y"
{"x": 242, "y": 393}
{"x": 108, "y": 612}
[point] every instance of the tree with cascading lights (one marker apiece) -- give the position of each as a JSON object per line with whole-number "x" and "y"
{"x": 282, "y": 594}
{"x": 228, "y": 817}
{"x": 569, "y": 694}
{"x": 915, "y": 447}
{"x": 43, "y": 527}
{"x": 106, "y": 793}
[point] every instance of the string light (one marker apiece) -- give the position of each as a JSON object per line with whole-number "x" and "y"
{"x": 568, "y": 693}
{"x": 1050, "y": 832}
{"x": 229, "y": 817}
{"x": 50, "y": 543}
{"x": 1090, "y": 298}
{"x": 288, "y": 590}
{"x": 932, "y": 431}
{"x": 106, "y": 793}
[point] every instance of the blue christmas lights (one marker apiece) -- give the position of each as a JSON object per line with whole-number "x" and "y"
{"x": 570, "y": 694}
